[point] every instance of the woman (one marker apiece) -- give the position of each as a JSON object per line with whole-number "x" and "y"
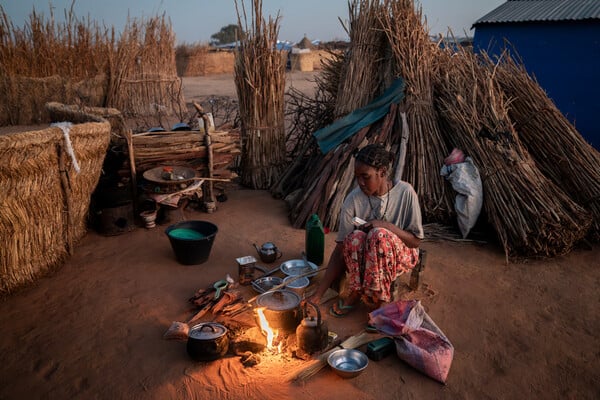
{"x": 373, "y": 254}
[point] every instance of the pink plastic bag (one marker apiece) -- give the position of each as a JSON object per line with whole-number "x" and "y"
{"x": 419, "y": 342}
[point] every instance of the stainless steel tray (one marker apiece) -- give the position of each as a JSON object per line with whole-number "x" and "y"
{"x": 298, "y": 267}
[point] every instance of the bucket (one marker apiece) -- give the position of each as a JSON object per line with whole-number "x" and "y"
{"x": 192, "y": 240}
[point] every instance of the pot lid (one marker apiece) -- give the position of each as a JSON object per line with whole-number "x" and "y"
{"x": 278, "y": 300}
{"x": 269, "y": 246}
{"x": 207, "y": 331}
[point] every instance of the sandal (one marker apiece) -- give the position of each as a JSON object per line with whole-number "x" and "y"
{"x": 342, "y": 310}
{"x": 371, "y": 329}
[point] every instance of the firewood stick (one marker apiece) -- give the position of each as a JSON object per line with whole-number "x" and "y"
{"x": 129, "y": 139}
{"x": 66, "y": 186}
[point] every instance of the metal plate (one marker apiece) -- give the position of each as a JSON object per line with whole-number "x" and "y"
{"x": 298, "y": 267}
{"x": 180, "y": 174}
{"x": 266, "y": 283}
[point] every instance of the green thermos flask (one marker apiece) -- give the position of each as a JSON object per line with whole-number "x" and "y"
{"x": 315, "y": 240}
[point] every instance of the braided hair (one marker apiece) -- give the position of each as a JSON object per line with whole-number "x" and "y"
{"x": 374, "y": 155}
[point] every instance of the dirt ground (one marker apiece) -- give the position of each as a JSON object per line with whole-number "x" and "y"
{"x": 94, "y": 328}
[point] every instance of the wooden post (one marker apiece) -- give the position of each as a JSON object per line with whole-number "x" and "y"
{"x": 129, "y": 139}
{"x": 66, "y": 187}
{"x": 209, "y": 197}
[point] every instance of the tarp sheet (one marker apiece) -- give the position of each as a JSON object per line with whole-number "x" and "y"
{"x": 332, "y": 135}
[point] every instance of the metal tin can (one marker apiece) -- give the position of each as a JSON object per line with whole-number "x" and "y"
{"x": 246, "y": 267}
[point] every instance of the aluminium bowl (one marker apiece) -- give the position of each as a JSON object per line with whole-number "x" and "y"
{"x": 266, "y": 283}
{"x": 348, "y": 363}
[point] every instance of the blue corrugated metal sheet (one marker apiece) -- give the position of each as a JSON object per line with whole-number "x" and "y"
{"x": 542, "y": 10}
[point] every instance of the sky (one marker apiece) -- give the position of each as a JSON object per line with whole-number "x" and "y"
{"x": 196, "y": 20}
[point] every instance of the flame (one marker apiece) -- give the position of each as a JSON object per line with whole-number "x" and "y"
{"x": 271, "y": 334}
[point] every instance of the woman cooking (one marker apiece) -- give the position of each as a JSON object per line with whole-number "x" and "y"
{"x": 375, "y": 251}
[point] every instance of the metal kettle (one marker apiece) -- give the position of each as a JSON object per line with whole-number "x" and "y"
{"x": 268, "y": 252}
{"x": 312, "y": 335}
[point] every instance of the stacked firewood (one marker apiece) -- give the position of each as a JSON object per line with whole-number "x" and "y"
{"x": 187, "y": 148}
{"x": 230, "y": 302}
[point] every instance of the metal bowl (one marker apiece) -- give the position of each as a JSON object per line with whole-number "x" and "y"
{"x": 348, "y": 363}
{"x": 297, "y": 285}
{"x": 298, "y": 267}
{"x": 266, "y": 283}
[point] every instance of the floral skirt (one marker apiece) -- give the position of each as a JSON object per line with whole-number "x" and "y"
{"x": 374, "y": 260}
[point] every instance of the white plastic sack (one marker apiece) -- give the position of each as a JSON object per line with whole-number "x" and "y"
{"x": 465, "y": 179}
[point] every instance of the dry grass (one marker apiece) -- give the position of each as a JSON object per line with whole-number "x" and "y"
{"x": 260, "y": 83}
{"x": 79, "y": 62}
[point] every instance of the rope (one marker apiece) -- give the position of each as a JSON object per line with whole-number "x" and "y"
{"x": 66, "y": 127}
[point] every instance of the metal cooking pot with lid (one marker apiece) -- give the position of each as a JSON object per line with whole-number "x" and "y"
{"x": 207, "y": 341}
{"x": 281, "y": 308}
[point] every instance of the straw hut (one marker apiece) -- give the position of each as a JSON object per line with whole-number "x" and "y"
{"x": 305, "y": 43}
{"x": 47, "y": 177}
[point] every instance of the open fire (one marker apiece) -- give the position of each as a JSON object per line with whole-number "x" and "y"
{"x": 272, "y": 335}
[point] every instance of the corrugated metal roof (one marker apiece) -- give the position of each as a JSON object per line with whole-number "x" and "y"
{"x": 542, "y": 10}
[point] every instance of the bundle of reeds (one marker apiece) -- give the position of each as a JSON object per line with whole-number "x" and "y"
{"x": 79, "y": 48}
{"x": 415, "y": 55}
{"x": 50, "y": 61}
{"x": 532, "y": 217}
{"x": 560, "y": 152}
{"x": 260, "y": 83}
{"x": 363, "y": 76}
{"x": 307, "y": 114}
{"x": 143, "y": 73}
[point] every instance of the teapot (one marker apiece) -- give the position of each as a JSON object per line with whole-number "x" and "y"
{"x": 268, "y": 252}
{"x": 312, "y": 335}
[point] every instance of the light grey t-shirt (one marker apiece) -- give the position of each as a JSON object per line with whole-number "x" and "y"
{"x": 400, "y": 206}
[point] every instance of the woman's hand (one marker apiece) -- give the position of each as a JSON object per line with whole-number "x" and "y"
{"x": 375, "y": 223}
{"x": 408, "y": 238}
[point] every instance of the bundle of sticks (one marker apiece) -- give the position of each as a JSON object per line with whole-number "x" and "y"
{"x": 229, "y": 302}
{"x": 560, "y": 152}
{"x": 415, "y": 55}
{"x": 531, "y": 215}
{"x": 152, "y": 149}
{"x": 259, "y": 75}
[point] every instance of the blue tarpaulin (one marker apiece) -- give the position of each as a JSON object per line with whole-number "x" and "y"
{"x": 334, "y": 134}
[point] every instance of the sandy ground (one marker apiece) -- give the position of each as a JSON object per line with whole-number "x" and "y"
{"x": 94, "y": 328}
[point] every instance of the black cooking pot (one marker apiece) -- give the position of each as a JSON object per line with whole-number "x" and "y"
{"x": 207, "y": 341}
{"x": 282, "y": 309}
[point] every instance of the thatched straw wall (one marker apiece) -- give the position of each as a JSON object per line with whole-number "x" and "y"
{"x": 202, "y": 62}
{"x": 302, "y": 62}
{"x": 144, "y": 77}
{"x": 43, "y": 206}
{"x": 24, "y": 97}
